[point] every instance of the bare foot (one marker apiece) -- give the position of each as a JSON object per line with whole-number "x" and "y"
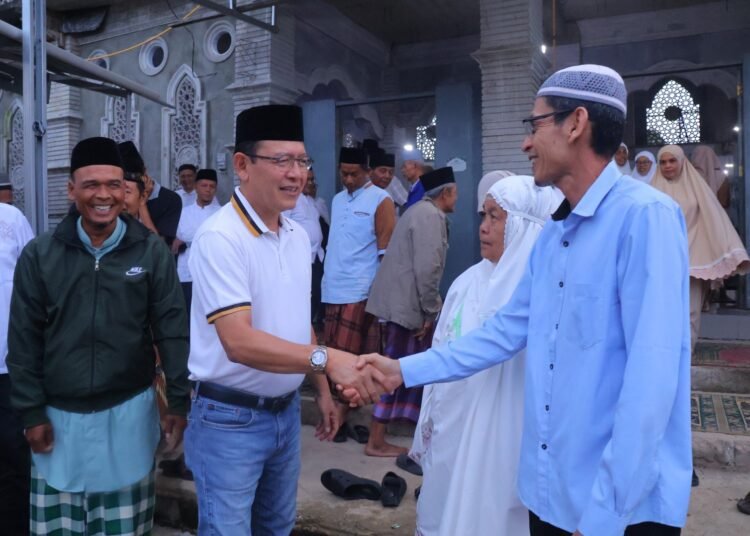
{"x": 385, "y": 450}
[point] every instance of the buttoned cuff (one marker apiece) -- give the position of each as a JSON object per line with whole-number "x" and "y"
{"x": 598, "y": 521}
{"x": 413, "y": 369}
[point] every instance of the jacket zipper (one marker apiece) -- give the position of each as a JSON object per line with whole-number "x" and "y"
{"x": 93, "y": 322}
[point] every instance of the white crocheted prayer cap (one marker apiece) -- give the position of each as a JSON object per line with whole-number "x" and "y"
{"x": 593, "y": 83}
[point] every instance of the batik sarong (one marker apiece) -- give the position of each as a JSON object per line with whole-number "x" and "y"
{"x": 349, "y": 328}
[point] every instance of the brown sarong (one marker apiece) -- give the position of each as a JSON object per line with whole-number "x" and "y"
{"x": 349, "y": 328}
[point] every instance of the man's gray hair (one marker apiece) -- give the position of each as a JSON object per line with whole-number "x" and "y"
{"x": 435, "y": 192}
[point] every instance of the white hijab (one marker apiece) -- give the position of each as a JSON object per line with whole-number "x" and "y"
{"x": 625, "y": 168}
{"x": 486, "y": 183}
{"x": 485, "y": 287}
{"x": 651, "y": 172}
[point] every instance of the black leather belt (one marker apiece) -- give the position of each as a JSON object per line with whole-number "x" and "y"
{"x": 227, "y": 395}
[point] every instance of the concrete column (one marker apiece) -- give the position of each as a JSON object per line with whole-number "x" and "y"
{"x": 512, "y": 66}
{"x": 64, "y": 121}
{"x": 264, "y": 61}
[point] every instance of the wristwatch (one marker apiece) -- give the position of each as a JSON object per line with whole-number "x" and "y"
{"x": 319, "y": 359}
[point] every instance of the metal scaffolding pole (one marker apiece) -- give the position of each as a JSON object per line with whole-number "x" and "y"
{"x": 35, "y": 113}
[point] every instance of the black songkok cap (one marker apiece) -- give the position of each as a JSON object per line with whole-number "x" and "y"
{"x": 131, "y": 158}
{"x": 353, "y": 155}
{"x": 207, "y": 174}
{"x": 183, "y": 167}
{"x": 270, "y": 122}
{"x": 95, "y": 152}
{"x": 381, "y": 158}
{"x": 435, "y": 179}
{"x": 6, "y": 186}
{"x": 371, "y": 146}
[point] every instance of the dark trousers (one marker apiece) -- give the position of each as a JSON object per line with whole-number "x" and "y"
{"x": 537, "y": 527}
{"x": 317, "y": 277}
{"x": 15, "y": 468}
{"x": 187, "y": 291}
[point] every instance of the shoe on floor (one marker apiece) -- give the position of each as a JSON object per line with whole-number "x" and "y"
{"x": 349, "y": 486}
{"x": 407, "y": 464}
{"x": 696, "y": 480}
{"x": 743, "y": 505}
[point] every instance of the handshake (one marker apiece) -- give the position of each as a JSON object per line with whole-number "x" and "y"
{"x": 361, "y": 380}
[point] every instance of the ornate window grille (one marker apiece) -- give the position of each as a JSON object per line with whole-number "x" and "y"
{"x": 184, "y": 128}
{"x": 673, "y": 117}
{"x": 114, "y": 124}
{"x": 15, "y": 157}
{"x": 426, "y": 139}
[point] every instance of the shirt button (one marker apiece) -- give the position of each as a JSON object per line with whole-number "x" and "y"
{"x": 544, "y": 446}
{"x": 561, "y": 284}
{"x": 556, "y": 325}
{"x": 551, "y": 366}
{"x": 546, "y": 408}
{"x": 566, "y": 244}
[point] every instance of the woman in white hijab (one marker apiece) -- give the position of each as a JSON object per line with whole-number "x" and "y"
{"x": 621, "y": 159}
{"x": 468, "y": 438}
{"x": 645, "y": 167}
{"x": 716, "y": 251}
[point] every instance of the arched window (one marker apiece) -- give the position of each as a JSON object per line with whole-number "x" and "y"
{"x": 14, "y": 137}
{"x": 673, "y": 116}
{"x": 114, "y": 124}
{"x": 184, "y": 128}
{"x": 426, "y": 138}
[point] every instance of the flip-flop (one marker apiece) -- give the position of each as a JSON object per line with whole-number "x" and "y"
{"x": 341, "y": 434}
{"x": 743, "y": 505}
{"x": 417, "y": 491}
{"x": 394, "y": 489}
{"x": 349, "y": 486}
{"x": 175, "y": 469}
{"x": 359, "y": 433}
{"x": 407, "y": 464}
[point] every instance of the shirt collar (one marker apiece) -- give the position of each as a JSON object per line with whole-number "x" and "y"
{"x": 250, "y": 218}
{"x": 593, "y": 197}
{"x": 356, "y": 193}
{"x": 155, "y": 191}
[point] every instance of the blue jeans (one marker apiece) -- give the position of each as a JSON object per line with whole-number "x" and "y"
{"x": 246, "y": 464}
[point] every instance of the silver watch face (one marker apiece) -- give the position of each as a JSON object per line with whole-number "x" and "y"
{"x": 318, "y": 358}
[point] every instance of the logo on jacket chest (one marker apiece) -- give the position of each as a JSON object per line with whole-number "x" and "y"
{"x": 134, "y": 271}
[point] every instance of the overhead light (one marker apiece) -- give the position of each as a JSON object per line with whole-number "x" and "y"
{"x": 726, "y": 172}
{"x": 729, "y": 165}
{"x": 736, "y": 128}
{"x": 408, "y": 147}
{"x": 544, "y": 48}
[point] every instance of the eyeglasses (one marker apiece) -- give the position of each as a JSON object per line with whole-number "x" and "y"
{"x": 530, "y": 122}
{"x": 286, "y": 161}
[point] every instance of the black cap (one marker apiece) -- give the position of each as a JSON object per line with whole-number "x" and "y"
{"x": 353, "y": 155}
{"x": 269, "y": 122}
{"x": 95, "y": 152}
{"x": 183, "y": 167}
{"x": 6, "y": 186}
{"x": 131, "y": 158}
{"x": 207, "y": 174}
{"x": 435, "y": 179}
{"x": 381, "y": 158}
{"x": 371, "y": 146}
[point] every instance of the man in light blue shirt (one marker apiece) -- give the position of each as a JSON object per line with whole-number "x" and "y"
{"x": 603, "y": 313}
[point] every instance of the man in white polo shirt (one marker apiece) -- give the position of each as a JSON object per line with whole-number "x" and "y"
{"x": 251, "y": 338}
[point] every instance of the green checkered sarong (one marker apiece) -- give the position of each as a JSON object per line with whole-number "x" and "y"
{"x": 126, "y": 511}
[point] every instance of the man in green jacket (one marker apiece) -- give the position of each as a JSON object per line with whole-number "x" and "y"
{"x": 90, "y": 301}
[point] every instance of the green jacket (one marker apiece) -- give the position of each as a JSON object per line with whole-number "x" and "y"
{"x": 82, "y": 333}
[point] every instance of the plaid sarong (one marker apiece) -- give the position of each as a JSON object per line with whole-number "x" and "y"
{"x": 404, "y": 403}
{"x": 349, "y": 328}
{"x": 126, "y": 511}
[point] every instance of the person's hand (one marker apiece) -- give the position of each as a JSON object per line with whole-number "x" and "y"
{"x": 390, "y": 375}
{"x": 366, "y": 381}
{"x": 148, "y": 184}
{"x": 424, "y": 330}
{"x": 173, "y": 426}
{"x": 176, "y": 244}
{"x": 329, "y": 417}
{"x": 41, "y": 438}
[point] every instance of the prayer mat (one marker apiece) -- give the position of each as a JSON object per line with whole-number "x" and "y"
{"x": 350, "y": 328}
{"x": 720, "y": 412}
{"x": 126, "y": 511}
{"x": 728, "y": 354}
{"x": 404, "y": 403}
